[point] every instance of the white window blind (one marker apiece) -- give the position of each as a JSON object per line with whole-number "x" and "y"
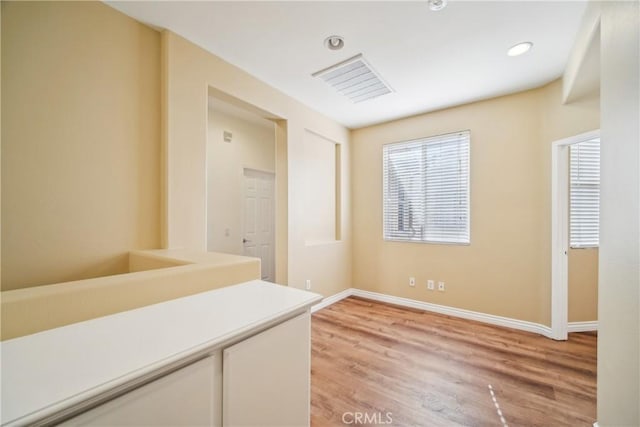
{"x": 426, "y": 189}
{"x": 584, "y": 194}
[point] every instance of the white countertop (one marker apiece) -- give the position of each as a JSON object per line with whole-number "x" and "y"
{"x": 51, "y": 370}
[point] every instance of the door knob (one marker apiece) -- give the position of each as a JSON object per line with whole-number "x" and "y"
{"x": 246, "y": 240}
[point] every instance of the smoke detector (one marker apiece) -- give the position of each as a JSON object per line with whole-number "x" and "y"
{"x": 355, "y": 79}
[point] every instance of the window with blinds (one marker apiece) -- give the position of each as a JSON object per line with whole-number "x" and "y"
{"x": 426, "y": 189}
{"x": 584, "y": 194}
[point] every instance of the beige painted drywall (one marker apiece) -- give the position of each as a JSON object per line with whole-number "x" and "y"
{"x": 0, "y": 147}
{"x": 159, "y": 275}
{"x": 583, "y": 284}
{"x": 581, "y": 73}
{"x": 505, "y": 270}
{"x": 320, "y": 189}
{"x": 189, "y": 73}
{"x": 282, "y": 192}
{"x": 619, "y": 269}
{"x": 253, "y": 146}
{"x": 80, "y": 141}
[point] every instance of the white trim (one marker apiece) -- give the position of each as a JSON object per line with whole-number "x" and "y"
{"x": 457, "y": 312}
{"x": 583, "y": 326}
{"x": 595, "y": 424}
{"x": 326, "y": 302}
{"x": 559, "y": 238}
{"x": 506, "y": 322}
{"x": 559, "y": 233}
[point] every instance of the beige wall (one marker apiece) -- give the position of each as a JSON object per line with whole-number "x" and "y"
{"x": 189, "y": 73}
{"x": 253, "y": 146}
{"x": 0, "y": 147}
{"x": 583, "y": 284}
{"x": 159, "y": 275}
{"x": 619, "y": 296}
{"x": 84, "y": 176}
{"x": 80, "y": 141}
{"x": 320, "y": 189}
{"x": 505, "y": 270}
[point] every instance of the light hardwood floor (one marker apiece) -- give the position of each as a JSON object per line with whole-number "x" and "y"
{"x": 426, "y": 369}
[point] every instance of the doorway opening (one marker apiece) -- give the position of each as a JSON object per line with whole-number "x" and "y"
{"x": 562, "y": 190}
{"x": 241, "y": 183}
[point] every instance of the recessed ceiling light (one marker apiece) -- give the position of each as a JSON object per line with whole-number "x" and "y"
{"x": 436, "y": 5}
{"x": 519, "y": 49}
{"x": 334, "y": 42}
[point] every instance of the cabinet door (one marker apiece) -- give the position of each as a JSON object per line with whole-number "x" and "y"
{"x": 266, "y": 378}
{"x": 186, "y": 397}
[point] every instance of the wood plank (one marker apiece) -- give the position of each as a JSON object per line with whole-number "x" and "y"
{"x": 428, "y": 369}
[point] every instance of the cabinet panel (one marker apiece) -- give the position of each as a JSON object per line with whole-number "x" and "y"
{"x": 266, "y": 377}
{"x": 186, "y": 397}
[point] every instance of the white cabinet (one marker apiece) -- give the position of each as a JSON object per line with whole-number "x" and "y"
{"x": 186, "y": 397}
{"x": 243, "y": 353}
{"x": 266, "y": 378}
{"x": 260, "y": 381}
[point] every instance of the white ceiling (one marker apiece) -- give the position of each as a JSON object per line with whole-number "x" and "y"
{"x": 432, "y": 60}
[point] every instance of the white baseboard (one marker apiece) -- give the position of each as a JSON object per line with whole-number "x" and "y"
{"x": 507, "y": 322}
{"x": 457, "y": 312}
{"x": 582, "y": 326}
{"x": 332, "y": 299}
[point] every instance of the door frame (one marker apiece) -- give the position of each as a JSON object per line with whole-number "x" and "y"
{"x": 559, "y": 232}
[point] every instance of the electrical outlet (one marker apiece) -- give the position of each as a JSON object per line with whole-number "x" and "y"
{"x": 441, "y": 286}
{"x": 412, "y": 281}
{"x": 430, "y": 285}
{"x": 307, "y": 284}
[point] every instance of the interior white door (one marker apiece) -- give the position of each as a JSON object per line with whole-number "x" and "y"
{"x": 259, "y": 220}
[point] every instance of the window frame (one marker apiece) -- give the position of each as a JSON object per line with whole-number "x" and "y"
{"x": 434, "y": 139}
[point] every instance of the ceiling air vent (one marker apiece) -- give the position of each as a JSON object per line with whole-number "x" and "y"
{"x": 355, "y": 79}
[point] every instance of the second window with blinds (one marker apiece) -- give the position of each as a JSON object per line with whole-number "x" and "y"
{"x": 584, "y": 194}
{"x": 426, "y": 189}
